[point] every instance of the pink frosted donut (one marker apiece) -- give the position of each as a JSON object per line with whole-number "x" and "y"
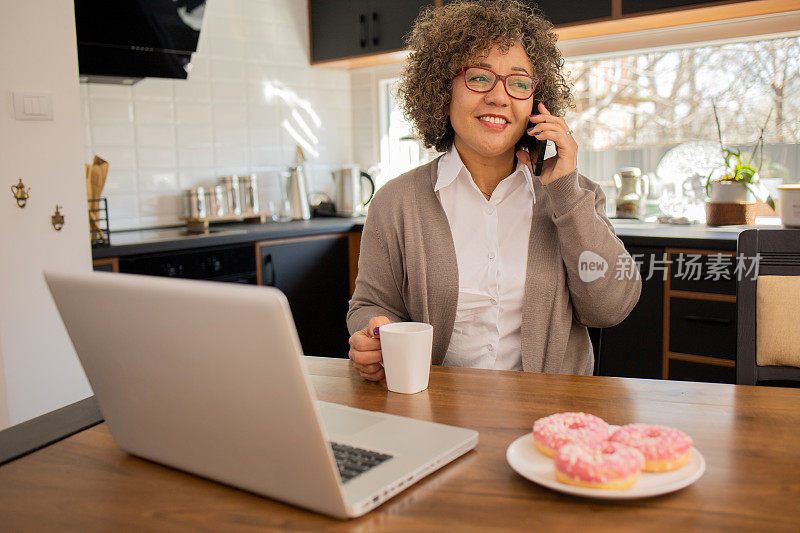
{"x": 598, "y": 465}
{"x": 664, "y": 448}
{"x": 552, "y": 432}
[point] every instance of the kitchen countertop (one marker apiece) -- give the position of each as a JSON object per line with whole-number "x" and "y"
{"x": 124, "y": 243}
{"x": 135, "y": 242}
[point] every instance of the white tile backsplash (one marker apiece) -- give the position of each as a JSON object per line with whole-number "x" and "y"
{"x": 158, "y": 180}
{"x": 120, "y": 182}
{"x": 192, "y": 113}
{"x": 250, "y": 71}
{"x": 195, "y": 158}
{"x": 194, "y": 91}
{"x": 230, "y": 135}
{"x": 110, "y": 111}
{"x": 154, "y": 157}
{"x": 189, "y": 135}
{"x": 153, "y": 89}
{"x": 230, "y": 114}
{"x": 155, "y": 135}
{"x": 229, "y": 91}
{"x": 146, "y": 112}
{"x": 118, "y": 157}
{"x": 117, "y": 134}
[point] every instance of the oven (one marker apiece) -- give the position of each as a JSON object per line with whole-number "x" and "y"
{"x": 230, "y": 263}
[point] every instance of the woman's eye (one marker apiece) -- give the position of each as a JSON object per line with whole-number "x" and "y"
{"x": 478, "y": 78}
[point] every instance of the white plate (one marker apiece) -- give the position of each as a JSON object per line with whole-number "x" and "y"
{"x": 529, "y": 462}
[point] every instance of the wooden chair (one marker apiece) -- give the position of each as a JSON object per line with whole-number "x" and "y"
{"x": 769, "y": 352}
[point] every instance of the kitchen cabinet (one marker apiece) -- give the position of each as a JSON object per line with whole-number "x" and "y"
{"x": 560, "y": 12}
{"x": 639, "y": 6}
{"x": 312, "y": 273}
{"x": 347, "y": 28}
{"x": 700, "y": 315}
{"x": 632, "y": 348}
{"x": 684, "y": 325}
{"x": 108, "y": 264}
{"x": 565, "y": 12}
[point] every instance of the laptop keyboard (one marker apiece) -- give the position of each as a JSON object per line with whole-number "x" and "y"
{"x": 353, "y": 461}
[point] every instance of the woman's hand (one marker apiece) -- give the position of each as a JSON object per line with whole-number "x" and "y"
{"x": 365, "y": 350}
{"x": 552, "y": 128}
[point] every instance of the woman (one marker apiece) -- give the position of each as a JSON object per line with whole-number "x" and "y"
{"x": 506, "y": 266}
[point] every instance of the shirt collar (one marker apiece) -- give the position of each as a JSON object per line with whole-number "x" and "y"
{"x": 450, "y": 166}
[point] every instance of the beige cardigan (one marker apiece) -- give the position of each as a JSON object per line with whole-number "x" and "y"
{"x": 407, "y": 269}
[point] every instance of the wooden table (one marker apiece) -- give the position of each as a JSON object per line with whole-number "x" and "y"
{"x": 748, "y": 435}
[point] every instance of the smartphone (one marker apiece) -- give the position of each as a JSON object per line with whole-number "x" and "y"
{"x": 534, "y": 145}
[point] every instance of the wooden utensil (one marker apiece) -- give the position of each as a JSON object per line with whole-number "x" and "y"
{"x": 96, "y": 174}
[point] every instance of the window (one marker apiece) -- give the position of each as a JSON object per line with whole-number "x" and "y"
{"x": 632, "y": 110}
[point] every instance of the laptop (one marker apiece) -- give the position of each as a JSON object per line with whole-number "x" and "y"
{"x": 209, "y": 378}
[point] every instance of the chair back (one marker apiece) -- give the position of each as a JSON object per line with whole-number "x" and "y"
{"x": 768, "y": 306}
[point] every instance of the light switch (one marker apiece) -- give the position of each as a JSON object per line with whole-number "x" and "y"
{"x": 33, "y": 106}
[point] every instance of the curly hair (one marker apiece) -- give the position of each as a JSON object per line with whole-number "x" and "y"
{"x": 446, "y": 38}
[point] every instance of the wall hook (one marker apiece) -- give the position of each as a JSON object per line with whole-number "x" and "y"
{"x": 20, "y": 193}
{"x": 57, "y": 220}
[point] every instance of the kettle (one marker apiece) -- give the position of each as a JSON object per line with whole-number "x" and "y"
{"x": 348, "y": 193}
{"x": 296, "y": 195}
{"x": 632, "y": 191}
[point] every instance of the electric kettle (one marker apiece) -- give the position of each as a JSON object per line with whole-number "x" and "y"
{"x": 295, "y": 185}
{"x": 349, "y": 192}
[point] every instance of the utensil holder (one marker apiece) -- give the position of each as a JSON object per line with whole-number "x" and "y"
{"x": 98, "y": 222}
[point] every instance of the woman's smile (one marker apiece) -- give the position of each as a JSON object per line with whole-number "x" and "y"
{"x": 495, "y": 122}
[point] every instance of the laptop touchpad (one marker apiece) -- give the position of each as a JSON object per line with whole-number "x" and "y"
{"x": 341, "y": 421}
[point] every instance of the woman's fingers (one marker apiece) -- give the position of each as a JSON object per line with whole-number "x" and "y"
{"x": 373, "y": 328}
{"x": 360, "y": 342}
{"x": 365, "y": 358}
{"x": 369, "y": 369}
{"x": 365, "y": 349}
{"x": 376, "y": 376}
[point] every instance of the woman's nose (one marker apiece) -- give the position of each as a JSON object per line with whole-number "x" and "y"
{"x": 498, "y": 94}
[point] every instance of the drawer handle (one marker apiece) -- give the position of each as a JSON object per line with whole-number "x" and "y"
{"x": 362, "y": 19}
{"x": 268, "y": 263}
{"x": 376, "y": 35}
{"x": 711, "y": 319}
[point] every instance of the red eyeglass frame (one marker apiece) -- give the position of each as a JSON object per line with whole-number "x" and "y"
{"x": 498, "y": 77}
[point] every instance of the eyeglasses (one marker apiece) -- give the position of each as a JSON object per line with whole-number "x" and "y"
{"x": 483, "y": 80}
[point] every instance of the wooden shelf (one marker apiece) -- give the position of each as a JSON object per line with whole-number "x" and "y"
{"x": 719, "y": 361}
{"x": 690, "y": 295}
{"x": 202, "y": 224}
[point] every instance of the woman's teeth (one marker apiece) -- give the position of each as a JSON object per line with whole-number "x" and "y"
{"x": 494, "y": 120}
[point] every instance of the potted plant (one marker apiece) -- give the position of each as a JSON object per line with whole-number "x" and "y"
{"x": 729, "y": 201}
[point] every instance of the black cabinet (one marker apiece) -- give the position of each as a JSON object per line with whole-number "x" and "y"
{"x": 691, "y": 371}
{"x": 560, "y": 12}
{"x": 229, "y": 263}
{"x": 702, "y": 327}
{"x": 633, "y": 348}
{"x": 347, "y": 28}
{"x": 312, "y": 273}
{"x": 640, "y": 6}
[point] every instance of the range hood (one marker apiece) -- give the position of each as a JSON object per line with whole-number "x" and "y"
{"x": 123, "y": 41}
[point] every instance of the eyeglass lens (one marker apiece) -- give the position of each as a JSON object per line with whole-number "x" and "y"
{"x": 483, "y": 80}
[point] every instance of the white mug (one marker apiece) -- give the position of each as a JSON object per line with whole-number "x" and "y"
{"x": 406, "y": 349}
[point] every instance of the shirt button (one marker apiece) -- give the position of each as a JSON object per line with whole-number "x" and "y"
{"x": 491, "y": 348}
{"x": 490, "y": 210}
{"x": 494, "y": 302}
{"x": 491, "y": 255}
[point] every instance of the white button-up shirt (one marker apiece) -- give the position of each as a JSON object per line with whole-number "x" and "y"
{"x": 491, "y": 241}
